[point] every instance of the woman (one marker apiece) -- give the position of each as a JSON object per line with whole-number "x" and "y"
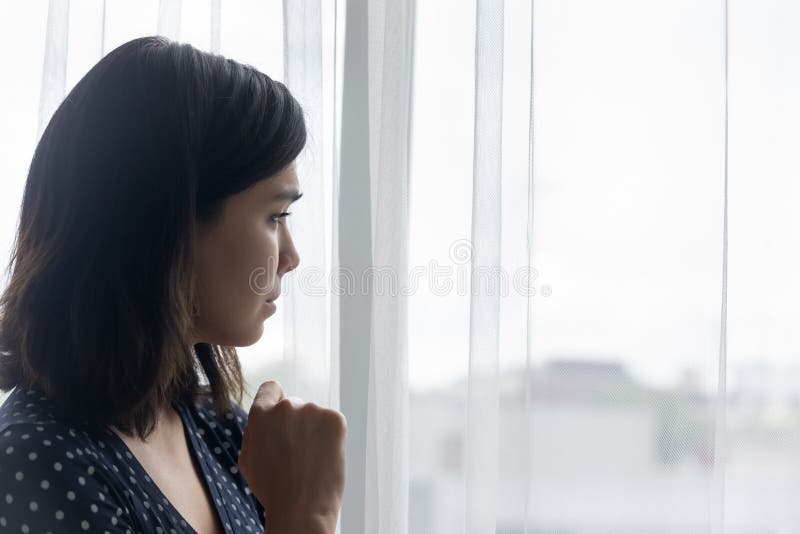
{"x": 151, "y": 243}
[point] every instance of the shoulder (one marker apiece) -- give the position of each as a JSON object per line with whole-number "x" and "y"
{"x": 53, "y": 476}
{"x": 25, "y": 406}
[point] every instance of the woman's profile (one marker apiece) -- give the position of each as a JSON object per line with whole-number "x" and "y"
{"x": 155, "y": 199}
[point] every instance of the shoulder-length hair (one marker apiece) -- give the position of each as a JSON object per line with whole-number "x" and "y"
{"x": 101, "y": 291}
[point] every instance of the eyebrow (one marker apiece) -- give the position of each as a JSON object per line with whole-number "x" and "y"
{"x": 291, "y": 195}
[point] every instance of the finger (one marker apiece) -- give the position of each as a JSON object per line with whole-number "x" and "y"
{"x": 269, "y": 394}
{"x": 296, "y": 401}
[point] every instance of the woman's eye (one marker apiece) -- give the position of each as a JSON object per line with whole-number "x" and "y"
{"x": 276, "y": 218}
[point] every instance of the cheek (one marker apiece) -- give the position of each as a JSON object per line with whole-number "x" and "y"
{"x": 262, "y": 259}
{"x": 256, "y": 267}
{"x": 239, "y": 270}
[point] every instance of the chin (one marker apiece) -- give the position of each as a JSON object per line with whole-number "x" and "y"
{"x": 239, "y": 337}
{"x": 247, "y": 342}
{"x": 252, "y": 337}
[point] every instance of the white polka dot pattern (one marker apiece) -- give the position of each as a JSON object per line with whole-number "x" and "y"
{"x": 57, "y": 476}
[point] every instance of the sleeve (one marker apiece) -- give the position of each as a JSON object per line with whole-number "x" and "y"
{"x": 43, "y": 490}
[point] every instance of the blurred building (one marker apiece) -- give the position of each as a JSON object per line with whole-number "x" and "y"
{"x": 596, "y": 453}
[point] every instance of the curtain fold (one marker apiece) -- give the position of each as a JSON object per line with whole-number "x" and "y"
{"x": 482, "y": 423}
{"x": 216, "y": 13}
{"x": 391, "y": 23}
{"x": 54, "y": 73}
{"x": 169, "y": 18}
{"x": 530, "y": 263}
{"x": 307, "y": 358}
{"x": 355, "y": 257}
{"x": 721, "y": 414}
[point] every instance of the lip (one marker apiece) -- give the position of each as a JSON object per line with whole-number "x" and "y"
{"x": 270, "y": 305}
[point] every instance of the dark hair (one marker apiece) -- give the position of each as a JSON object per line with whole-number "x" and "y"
{"x": 101, "y": 290}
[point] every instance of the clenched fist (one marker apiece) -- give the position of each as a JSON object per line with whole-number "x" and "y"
{"x": 293, "y": 459}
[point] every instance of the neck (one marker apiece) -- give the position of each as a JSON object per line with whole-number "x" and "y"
{"x": 168, "y": 428}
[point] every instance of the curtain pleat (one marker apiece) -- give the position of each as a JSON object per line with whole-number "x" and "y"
{"x": 529, "y": 297}
{"x": 216, "y": 15}
{"x": 333, "y": 253}
{"x": 482, "y": 386}
{"x": 169, "y": 18}
{"x": 103, "y": 30}
{"x": 720, "y": 418}
{"x": 392, "y": 24}
{"x": 54, "y": 73}
{"x": 307, "y": 358}
{"x": 354, "y": 246}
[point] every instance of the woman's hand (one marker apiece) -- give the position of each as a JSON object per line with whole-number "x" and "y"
{"x": 293, "y": 460}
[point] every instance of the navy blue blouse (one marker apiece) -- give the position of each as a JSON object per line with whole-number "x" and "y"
{"x": 55, "y": 476}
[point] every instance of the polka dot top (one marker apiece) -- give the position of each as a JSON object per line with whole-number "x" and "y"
{"x": 56, "y": 477}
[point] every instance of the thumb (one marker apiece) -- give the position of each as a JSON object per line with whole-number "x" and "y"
{"x": 269, "y": 394}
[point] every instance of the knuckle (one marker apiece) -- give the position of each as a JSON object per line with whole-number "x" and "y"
{"x": 283, "y": 405}
{"x": 310, "y": 407}
{"x": 336, "y": 420}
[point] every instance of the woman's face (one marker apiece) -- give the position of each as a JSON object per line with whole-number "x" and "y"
{"x": 240, "y": 260}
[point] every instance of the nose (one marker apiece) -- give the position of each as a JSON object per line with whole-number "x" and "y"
{"x": 289, "y": 258}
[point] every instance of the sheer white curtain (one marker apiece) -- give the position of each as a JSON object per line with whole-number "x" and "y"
{"x": 548, "y": 248}
{"x": 609, "y": 364}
